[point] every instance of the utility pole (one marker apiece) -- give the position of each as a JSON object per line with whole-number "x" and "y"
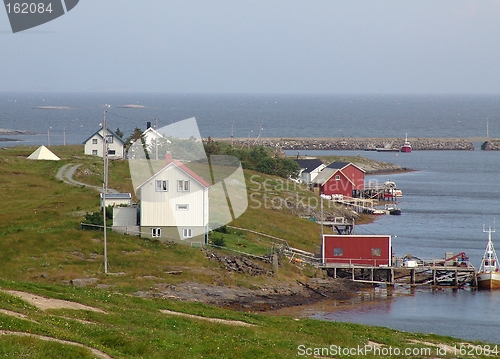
{"x": 156, "y": 140}
{"x": 232, "y": 134}
{"x": 105, "y": 187}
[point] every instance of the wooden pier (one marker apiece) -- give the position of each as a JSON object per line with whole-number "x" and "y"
{"x": 450, "y": 276}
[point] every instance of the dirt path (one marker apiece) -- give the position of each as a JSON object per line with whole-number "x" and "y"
{"x": 213, "y": 320}
{"x": 50, "y": 303}
{"x": 95, "y": 352}
{"x": 67, "y": 172}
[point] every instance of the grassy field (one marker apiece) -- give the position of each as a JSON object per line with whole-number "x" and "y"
{"x": 43, "y": 249}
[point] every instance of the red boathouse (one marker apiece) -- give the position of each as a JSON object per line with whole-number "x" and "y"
{"x": 340, "y": 178}
{"x": 371, "y": 250}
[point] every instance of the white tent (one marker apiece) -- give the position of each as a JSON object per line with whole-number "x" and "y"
{"x": 43, "y": 153}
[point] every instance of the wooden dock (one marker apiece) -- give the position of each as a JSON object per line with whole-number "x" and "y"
{"x": 430, "y": 275}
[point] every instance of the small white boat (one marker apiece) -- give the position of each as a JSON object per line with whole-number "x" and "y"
{"x": 488, "y": 276}
{"x": 392, "y": 209}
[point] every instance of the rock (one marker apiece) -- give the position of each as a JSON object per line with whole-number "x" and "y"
{"x": 83, "y": 282}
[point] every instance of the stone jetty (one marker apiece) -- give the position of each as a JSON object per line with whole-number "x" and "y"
{"x": 491, "y": 145}
{"x": 357, "y": 144}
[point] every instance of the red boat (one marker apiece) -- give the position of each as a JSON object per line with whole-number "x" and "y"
{"x": 406, "y": 147}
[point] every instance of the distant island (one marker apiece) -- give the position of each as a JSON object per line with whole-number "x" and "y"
{"x": 132, "y": 106}
{"x": 52, "y": 108}
{"x": 7, "y": 132}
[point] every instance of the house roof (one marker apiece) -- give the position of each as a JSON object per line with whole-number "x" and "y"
{"x": 117, "y": 195}
{"x": 328, "y": 173}
{"x": 309, "y": 164}
{"x": 342, "y": 165}
{"x": 108, "y": 131}
{"x": 184, "y": 169}
{"x": 151, "y": 129}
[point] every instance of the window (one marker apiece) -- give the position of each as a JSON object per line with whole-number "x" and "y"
{"x": 376, "y": 252}
{"x": 337, "y": 178}
{"x": 94, "y": 141}
{"x": 94, "y": 152}
{"x": 109, "y": 138}
{"x": 112, "y": 152}
{"x": 337, "y": 252}
{"x": 161, "y": 186}
{"x": 187, "y": 233}
{"x": 182, "y": 207}
{"x": 182, "y": 186}
{"x": 155, "y": 232}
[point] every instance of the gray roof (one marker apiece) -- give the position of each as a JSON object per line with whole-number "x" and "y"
{"x": 118, "y": 196}
{"x": 309, "y": 164}
{"x": 337, "y": 165}
{"x": 324, "y": 176}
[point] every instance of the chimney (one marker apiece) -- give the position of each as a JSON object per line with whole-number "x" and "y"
{"x": 148, "y": 125}
{"x": 168, "y": 158}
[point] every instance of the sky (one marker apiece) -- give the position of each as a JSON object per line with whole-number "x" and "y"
{"x": 259, "y": 46}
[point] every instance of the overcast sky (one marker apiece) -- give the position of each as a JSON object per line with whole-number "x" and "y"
{"x": 259, "y": 46}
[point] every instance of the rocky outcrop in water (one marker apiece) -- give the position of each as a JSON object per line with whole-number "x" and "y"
{"x": 492, "y": 145}
{"x": 356, "y": 143}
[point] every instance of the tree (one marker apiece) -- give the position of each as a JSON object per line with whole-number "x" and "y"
{"x": 119, "y": 133}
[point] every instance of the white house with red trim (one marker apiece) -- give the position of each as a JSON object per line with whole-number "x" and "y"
{"x": 174, "y": 204}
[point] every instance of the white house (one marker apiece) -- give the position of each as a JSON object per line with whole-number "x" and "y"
{"x": 309, "y": 169}
{"x": 174, "y": 204}
{"x": 94, "y": 144}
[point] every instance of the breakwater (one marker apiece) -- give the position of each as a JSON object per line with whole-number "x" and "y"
{"x": 353, "y": 143}
{"x": 491, "y": 145}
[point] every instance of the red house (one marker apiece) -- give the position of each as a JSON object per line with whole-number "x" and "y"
{"x": 372, "y": 250}
{"x": 342, "y": 178}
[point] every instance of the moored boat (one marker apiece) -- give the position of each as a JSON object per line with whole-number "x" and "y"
{"x": 406, "y": 147}
{"x": 488, "y": 276}
{"x": 393, "y": 210}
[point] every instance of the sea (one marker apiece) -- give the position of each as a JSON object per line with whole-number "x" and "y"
{"x": 447, "y": 199}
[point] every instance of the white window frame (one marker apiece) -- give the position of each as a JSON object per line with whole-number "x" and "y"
{"x": 94, "y": 141}
{"x": 94, "y": 152}
{"x": 161, "y": 185}
{"x": 109, "y": 138}
{"x": 182, "y": 207}
{"x": 181, "y": 185}
{"x": 337, "y": 177}
{"x": 187, "y": 233}
{"x": 156, "y": 232}
{"x": 112, "y": 152}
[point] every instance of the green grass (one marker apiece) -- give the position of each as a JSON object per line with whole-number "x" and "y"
{"x": 42, "y": 248}
{"x": 134, "y": 328}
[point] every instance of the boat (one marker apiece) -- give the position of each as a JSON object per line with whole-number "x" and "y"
{"x": 393, "y": 210}
{"x": 488, "y": 276}
{"x": 391, "y": 190}
{"x": 406, "y": 147}
{"x": 387, "y": 148}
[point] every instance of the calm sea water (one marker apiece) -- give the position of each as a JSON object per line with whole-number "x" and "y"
{"x": 279, "y": 115}
{"x": 445, "y": 203}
